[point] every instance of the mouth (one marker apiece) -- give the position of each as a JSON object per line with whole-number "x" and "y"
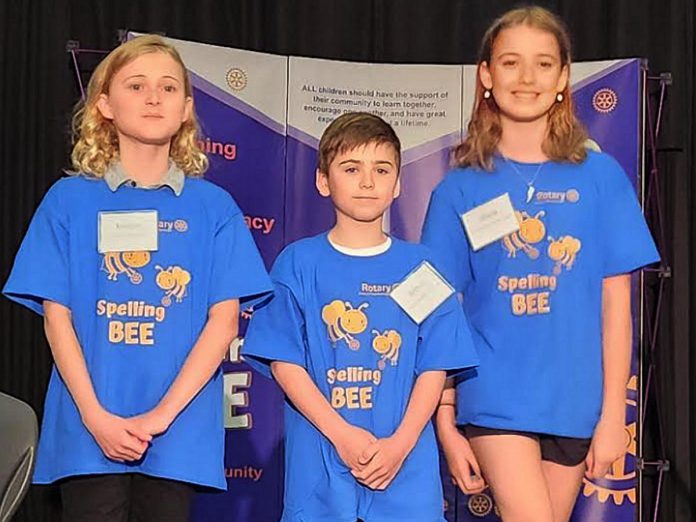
{"x": 525, "y": 95}
{"x": 153, "y": 116}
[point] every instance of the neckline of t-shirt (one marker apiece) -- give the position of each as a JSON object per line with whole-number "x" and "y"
{"x": 360, "y": 252}
{"x": 523, "y": 164}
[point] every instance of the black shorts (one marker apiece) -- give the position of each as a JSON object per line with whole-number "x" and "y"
{"x": 125, "y": 497}
{"x": 566, "y": 451}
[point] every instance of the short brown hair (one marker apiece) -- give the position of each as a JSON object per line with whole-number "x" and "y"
{"x": 565, "y": 136}
{"x": 355, "y": 129}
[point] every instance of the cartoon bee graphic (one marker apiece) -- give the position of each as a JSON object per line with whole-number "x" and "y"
{"x": 115, "y": 263}
{"x": 173, "y": 281}
{"x": 563, "y": 250}
{"x": 532, "y": 230}
{"x": 387, "y": 344}
{"x": 343, "y": 322}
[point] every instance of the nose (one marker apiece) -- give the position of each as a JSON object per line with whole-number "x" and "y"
{"x": 527, "y": 74}
{"x": 367, "y": 180}
{"x": 153, "y": 96}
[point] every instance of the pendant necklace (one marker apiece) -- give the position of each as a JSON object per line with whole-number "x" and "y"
{"x": 530, "y": 184}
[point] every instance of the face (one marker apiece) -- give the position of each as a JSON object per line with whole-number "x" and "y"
{"x": 146, "y": 100}
{"x": 362, "y": 183}
{"x": 525, "y": 73}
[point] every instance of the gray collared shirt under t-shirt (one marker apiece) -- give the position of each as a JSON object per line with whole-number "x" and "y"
{"x": 115, "y": 176}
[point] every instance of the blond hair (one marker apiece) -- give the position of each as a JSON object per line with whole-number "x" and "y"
{"x": 565, "y": 135}
{"x": 355, "y": 129}
{"x": 94, "y": 138}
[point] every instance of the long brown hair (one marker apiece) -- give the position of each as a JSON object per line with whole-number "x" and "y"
{"x": 565, "y": 136}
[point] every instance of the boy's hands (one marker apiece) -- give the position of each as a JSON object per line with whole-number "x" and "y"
{"x": 350, "y": 443}
{"x": 117, "y": 437}
{"x": 381, "y": 461}
{"x": 153, "y": 422}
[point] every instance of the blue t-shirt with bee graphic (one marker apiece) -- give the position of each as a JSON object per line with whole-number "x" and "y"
{"x": 137, "y": 315}
{"x": 534, "y": 297}
{"x": 331, "y": 314}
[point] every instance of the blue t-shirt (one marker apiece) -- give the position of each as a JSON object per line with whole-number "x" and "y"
{"x": 331, "y": 314}
{"x": 534, "y": 298}
{"x": 137, "y": 316}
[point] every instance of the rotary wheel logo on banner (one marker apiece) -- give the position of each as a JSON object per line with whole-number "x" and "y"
{"x": 480, "y": 505}
{"x": 605, "y": 100}
{"x": 619, "y": 484}
{"x": 236, "y": 79}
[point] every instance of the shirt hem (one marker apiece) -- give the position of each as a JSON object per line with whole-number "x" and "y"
{"x": 172, "y": 476}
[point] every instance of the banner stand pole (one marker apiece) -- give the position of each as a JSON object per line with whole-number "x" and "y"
{"x": 654, "y": 93}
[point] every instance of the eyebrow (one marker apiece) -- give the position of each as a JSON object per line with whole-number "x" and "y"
{"x": 143, "y": 76}
{"x": 378, "y": 162}
{"x": 539, "y": 55}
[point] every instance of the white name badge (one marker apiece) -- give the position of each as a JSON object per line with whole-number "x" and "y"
{"x": 491, "y": 221}
{"x": 128, "y": 231}
{"x": 421, "y": 292}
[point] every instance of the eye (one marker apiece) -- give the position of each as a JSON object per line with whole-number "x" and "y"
{"x": 383, "y": 170}
{"x": 170, "y": 88}
{"x": 509, "y": 63}
{"x": 546, "y": 65}
{"x": 351, "y": 170}
{"x": 135, "y": 86}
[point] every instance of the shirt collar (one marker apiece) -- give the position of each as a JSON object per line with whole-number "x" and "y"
{"x": 115, "y": 176}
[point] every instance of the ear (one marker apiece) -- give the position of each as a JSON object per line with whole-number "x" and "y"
{"x": 563, "y": 79}
{"x": 322, "y": 183}
{"x": 188, "y": 109}
{"x": 484, "y": 75}
{"x": 104, "y": 108}
{"x": 397, "y": 187}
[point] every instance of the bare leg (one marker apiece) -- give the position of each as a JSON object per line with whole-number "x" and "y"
{"x": 511, "y": 464}
{"x": 563, "y": 484}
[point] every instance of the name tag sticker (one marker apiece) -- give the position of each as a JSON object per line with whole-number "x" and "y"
{"x": 490, "y": 221}
{"x": 421, "y": 292}
{"x": 128, "y": 231}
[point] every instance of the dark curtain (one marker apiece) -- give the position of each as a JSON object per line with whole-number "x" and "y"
{"x": 38, "y": 88}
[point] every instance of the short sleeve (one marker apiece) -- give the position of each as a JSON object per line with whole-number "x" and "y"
{"x": 626, "y": 241}
{"x": 277, "y": 328}
{"x": 41, "y": 269}
{"x": 444, "y": 234}
{"x": 238, "y": 271}
{"x": 444, "y": 340}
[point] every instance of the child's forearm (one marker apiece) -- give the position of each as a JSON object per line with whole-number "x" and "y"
{"x": 304, "y": 394}
{"x": 445, "y": 417}
{"x": 206, "y": 356}
{"x": 424, "y": 399}
{"x": 69, "y": 358}
{"x": 616, "y": 344}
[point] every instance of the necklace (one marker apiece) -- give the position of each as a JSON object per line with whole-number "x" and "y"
{"x": 530, "y": 183}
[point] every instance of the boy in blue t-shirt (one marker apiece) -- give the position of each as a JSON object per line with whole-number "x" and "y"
{"x": 361, "y": 375}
